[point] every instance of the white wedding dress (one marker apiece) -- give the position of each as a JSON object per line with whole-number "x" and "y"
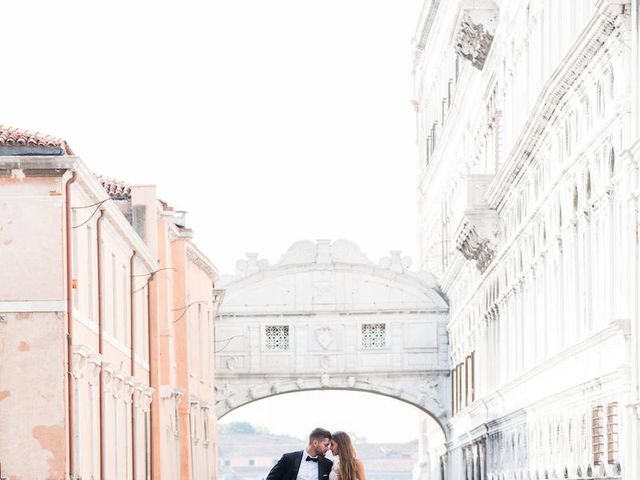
{"x": 333, "y": 474}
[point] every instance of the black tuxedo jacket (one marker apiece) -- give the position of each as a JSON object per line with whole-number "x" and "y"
{"x": 288, "y": 466}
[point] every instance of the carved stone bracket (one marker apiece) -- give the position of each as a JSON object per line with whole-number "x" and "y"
{"x": 476, "y": 235}
{"x": 94, "y": 365}
{"x": 474, "y": 247}
{"x": 147, "y": 398}
{"x": 475, "y": 30}
{"x": 108, "y": 370}
{"x": 128, "y": 388}
{"x": 81, "y": 356}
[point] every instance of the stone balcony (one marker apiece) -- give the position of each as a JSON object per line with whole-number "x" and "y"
{"x": 477, "y": 224}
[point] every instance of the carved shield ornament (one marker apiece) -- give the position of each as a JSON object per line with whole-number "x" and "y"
{"x": 324, "y": 337}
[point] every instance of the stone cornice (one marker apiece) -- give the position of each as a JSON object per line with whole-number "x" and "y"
{"x": 602, "y": 25}
{"x": 200, "y": 260}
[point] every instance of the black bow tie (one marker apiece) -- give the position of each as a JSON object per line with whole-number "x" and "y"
{"x": 312, "y": 459}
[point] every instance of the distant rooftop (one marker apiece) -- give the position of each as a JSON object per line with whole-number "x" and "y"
{"x": 115, "y": 188}
{"x": 14, "y": 141}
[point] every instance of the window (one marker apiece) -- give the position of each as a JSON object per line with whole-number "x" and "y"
{"x": 114, "y": 296}
{"x": 125, "y": 301}
{"x": 89, "y": 261}
{"x": 597, "y": 435}
{"x": 374, "y": 336}
{"x": 612, "y": 433}
{"x": 205, "y": 425}
{"x": 276, "y": 337}
{"x": 202, "y": 339}
{"x": 599, "y": 100}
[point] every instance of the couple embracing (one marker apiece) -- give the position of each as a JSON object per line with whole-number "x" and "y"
{"x": 311, "y": 464}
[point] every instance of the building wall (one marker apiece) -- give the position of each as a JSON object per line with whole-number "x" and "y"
{"x": 32, "y": 325}
{"x": 115, "y": 279}
{"x": 528, "y": 217}
{"x": 34, "y": 305}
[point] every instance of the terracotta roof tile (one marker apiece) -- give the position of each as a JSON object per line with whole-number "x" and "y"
{"x": 115, "y": 188}
{"x": 16, "y": 141}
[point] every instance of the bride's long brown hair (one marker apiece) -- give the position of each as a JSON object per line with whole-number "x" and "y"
{"x": 347, "y": 454}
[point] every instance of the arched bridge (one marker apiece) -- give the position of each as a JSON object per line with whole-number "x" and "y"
{"x": 326, "y": 317}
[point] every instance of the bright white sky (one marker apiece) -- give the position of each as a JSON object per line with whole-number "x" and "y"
{"x": 270, "y": 121}
{"x": 378, "y": 418}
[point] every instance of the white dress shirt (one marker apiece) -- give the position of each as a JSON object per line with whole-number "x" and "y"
{"x": 308, "y": 470}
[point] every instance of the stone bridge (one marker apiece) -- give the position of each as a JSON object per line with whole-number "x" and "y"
{"x": 326, "y": 317}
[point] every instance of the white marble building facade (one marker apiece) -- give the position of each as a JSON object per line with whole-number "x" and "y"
{"x": 527, "y": 128}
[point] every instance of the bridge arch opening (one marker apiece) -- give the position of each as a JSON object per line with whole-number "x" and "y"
{"x": 395, "y": 438}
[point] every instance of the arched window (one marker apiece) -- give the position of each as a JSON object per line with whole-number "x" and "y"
{"x": 611, "y": 84}
{"x": 599, "y": 99}
{"x": 567, "y": 136}
{"x": 559, "y": 215}
{"x": 612, "y": 163}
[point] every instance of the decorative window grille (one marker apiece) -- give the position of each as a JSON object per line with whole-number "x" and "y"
{"x": 374, "y": 335}
{"x": 597, "y": 435}
{"x": 276, "y": 337}
{"x": 612, "y": 433}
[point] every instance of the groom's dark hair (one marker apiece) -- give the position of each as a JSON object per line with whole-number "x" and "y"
{"x": 319, "y": 434}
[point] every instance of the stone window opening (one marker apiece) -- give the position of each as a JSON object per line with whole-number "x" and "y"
{"x": 276, "y": 337}
{"x": 597, "y": 435}
{"x": 612, "y": 433}
{"x": 374, "y": 336}
{"x": 612, "y": 163}
{"x": 599, "y": 100}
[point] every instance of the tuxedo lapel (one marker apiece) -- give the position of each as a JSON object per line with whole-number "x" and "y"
{"x": 324, "y": 467}
{"x": 296, "y": 464}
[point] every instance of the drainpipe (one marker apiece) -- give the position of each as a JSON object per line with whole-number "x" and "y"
{"x": 151, "y": 383}
{"x": 133, "y": 364}
{"x": 100, "y": 340}
{"x": 69, "y": 286}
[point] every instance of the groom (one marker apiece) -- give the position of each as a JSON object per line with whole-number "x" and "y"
{"x": 308, "y": 464}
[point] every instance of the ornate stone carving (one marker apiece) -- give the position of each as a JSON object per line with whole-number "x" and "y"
{"x": 474, "y": 247}
{"x": 80, "y": 360}
{"x": 395, "y": 262}
{"x": 231, "y": 363}
{"x": 476, "y": 234}
{"x": 324, "y": 337}
{"x": 253, "y": 392}
{"x": 473, "y": 41}
{"x": 94, "y": 362}
{"x": 251, "y": 265}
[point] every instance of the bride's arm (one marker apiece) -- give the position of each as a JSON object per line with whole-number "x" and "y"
{"x": 360, "y": 470}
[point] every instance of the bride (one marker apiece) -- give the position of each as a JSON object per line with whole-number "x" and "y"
{"x": 345, "y": 464}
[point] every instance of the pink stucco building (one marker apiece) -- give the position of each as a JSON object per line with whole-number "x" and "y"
{"x": 106, "y": 325}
